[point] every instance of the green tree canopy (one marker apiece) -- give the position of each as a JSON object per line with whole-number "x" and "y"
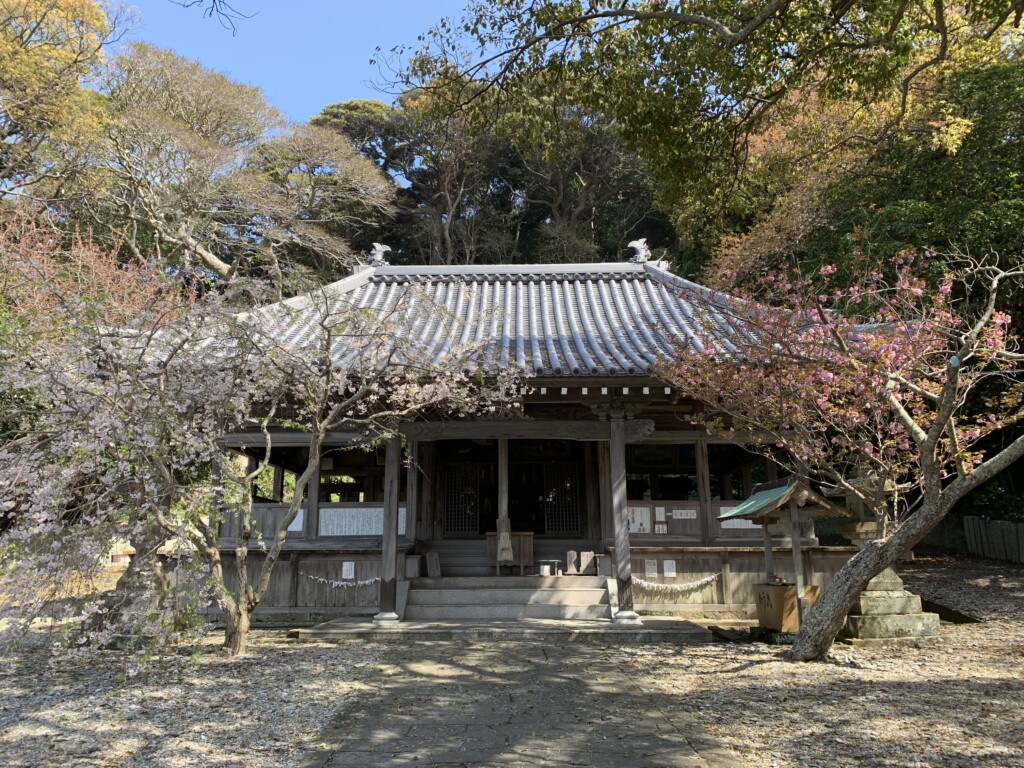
{"x": 692, "y": 84}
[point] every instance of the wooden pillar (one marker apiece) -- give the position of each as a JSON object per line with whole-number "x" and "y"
{"x": 311, "y": 526}
{"x": 389, "y": 539}
{"x": 503, "y": 477}
{"x": 607, "y": 528}
{"x": 503, "y": 546}
{"x": 769, "y": 558}
{"x": 707, "y": 514}
{"x": 798, "y": 566}
{"x": 590, "y": 527}
{"x": 425, "y": 470}
{"x": 412, "y": 486}
{"x": 623, "y": 568}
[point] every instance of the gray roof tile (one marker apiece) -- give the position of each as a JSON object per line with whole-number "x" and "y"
{"x": 546, "y": 319}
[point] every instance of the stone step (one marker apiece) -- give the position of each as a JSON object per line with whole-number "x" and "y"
{"x": 489, "y": 596}
{"x": 464, "y": 571}
{"x": 892, "y": 626}
{"x": 886, "y": 603}
{"x": 511, "y": 582}
{"x": 505, "y": 612}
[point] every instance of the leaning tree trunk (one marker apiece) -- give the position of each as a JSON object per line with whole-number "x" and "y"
{"x": 824, "y": 621}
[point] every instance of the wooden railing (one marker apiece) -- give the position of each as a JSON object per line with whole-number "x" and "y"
{"x": 266, "y": 519}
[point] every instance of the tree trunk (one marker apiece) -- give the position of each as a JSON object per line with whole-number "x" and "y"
{"x": 824, "y": 621}
{"x": 236, "y": 630}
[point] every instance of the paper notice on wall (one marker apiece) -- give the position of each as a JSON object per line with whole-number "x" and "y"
{"x": 639, "y": 519}
{"x": 661, "y": 527}
{"x": 684, "y": 514}
{"x": 650, "y": 568}
{"x": 348, "y": 569}
{"x": 356, "y": 521}
{"x": 668, "y": 567}
{"x": 659, "y": 514}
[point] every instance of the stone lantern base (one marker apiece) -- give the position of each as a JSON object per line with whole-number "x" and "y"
{"x": 886, "y": 613}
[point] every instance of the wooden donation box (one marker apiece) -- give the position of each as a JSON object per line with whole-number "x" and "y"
{"x": 777, "y": 608}
{"x": 522, "y": 548}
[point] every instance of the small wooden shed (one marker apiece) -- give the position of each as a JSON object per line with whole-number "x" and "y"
{"x": 770, "y": 507}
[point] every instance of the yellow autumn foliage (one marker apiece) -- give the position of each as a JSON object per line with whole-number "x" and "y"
{"x": 48, "y": 48}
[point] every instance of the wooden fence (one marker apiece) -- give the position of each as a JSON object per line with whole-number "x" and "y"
{"x": 995, "y": 539}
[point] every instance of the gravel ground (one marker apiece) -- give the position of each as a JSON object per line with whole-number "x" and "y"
{"x": 265, "y": 709}
{"x": 958, "y": 702}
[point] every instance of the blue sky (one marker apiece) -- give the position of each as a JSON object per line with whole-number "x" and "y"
{"x": 304, "y": 54}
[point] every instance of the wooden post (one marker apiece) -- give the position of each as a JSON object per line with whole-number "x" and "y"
{"x": 708, "y": 523}
{"x": 798, "y": 569}
{"x": 769, "y": 558}
{"x": 389, "y": 539}
{"x": 412, "y": 486}
{"x": 605, "y": 491}
{"x": 425, "y": 469}
{"x": 312, "y": 521}
{"x": 623, "y": 568}
{"x": 503, "y": 477}
{"x": 503, "y": 550}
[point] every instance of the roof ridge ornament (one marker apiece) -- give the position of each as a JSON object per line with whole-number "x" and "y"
{"x": 377, "y": 255}
{"x": 641, "y": 253}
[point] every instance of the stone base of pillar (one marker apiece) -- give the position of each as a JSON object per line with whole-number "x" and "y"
{"x": 626, "y": 617}
{"x": 386, "y": 618}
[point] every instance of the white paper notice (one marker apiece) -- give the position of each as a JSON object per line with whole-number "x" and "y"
{"x": 684, "y": 514}
{"x": 669, "y": 568}
{"x": 650, "y": 567}
{"x": 348, "y": 570}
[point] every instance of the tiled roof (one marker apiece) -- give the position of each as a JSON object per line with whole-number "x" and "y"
{"x": 546, "y": 319}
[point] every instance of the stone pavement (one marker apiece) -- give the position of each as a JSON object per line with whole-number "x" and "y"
{"x": 511, "y": 704}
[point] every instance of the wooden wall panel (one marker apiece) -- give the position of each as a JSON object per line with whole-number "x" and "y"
{"x": 278, "y": 593}
{"x": 312, "y": 592}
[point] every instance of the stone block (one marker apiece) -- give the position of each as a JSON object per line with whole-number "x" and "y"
{"x": 892, "y": 626}
{"x": 886, "y": 603}
{"x": 886, "y": 581}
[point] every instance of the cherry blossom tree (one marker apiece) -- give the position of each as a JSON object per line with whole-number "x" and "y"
{"x": 890, "y": 389}
{"x": 117, "y": 386}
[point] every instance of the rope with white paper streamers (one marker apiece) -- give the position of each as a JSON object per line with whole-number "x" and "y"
{"x": 674, "y": 589}
{"x": 342, "y": 584}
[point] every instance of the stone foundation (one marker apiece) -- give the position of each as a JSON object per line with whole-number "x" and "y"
{"x": 886, "y": 612}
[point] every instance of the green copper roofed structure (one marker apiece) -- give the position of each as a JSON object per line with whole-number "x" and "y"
{"x": 792, "y": 499}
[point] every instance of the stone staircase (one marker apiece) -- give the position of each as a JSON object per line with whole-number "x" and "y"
{"x": 507, "y": 598}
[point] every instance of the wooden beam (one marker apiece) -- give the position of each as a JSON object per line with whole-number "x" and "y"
{"x": 522, "y": 429}
{"x": 290, "y": 439}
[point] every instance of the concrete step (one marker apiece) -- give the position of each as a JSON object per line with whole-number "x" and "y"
{"x": 489, "y": 596}
{"x": 463, "y": 571}
{"x": 482, "y": 612}
{"x": 511, "y": 582}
